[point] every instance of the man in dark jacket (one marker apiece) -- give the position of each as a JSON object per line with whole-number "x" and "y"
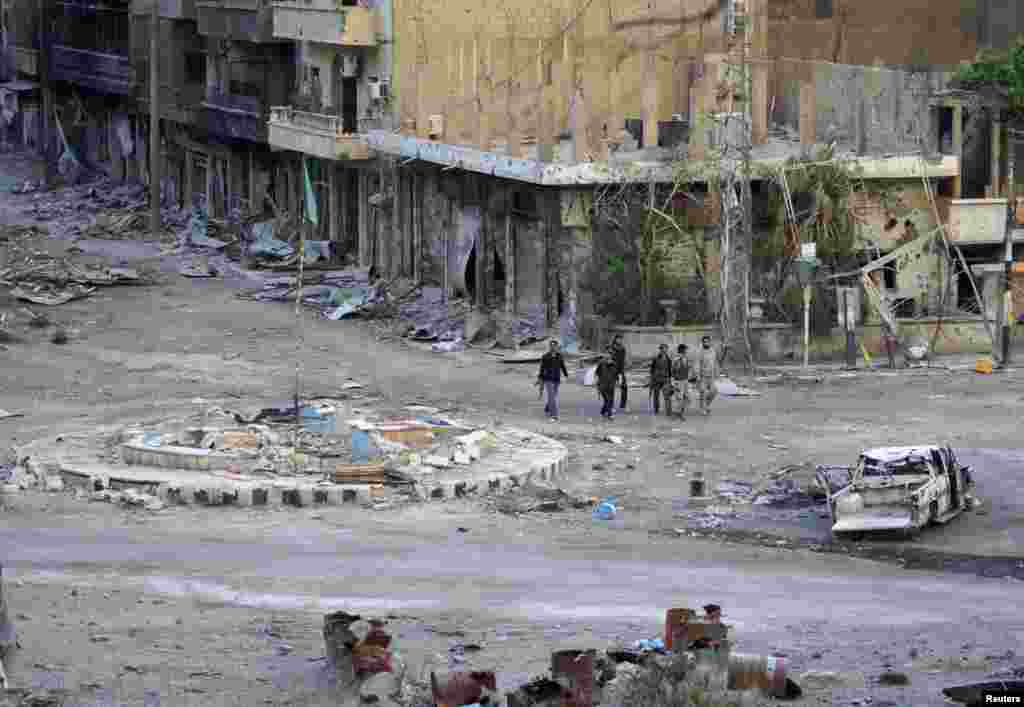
{"x": 607, "y": 374}
{"x": 552, "y": 367}
{"x": 682, "y": 375}
{"x": 661, "y": 380}
{"x": 619, "y": 357}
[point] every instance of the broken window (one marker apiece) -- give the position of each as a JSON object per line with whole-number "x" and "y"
{"x": 911, "y": 466}
{"x": 195, "y": 68}
{"x": 823, "y": 9}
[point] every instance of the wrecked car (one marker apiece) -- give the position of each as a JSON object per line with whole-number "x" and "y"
{"x": 896, "y": 489}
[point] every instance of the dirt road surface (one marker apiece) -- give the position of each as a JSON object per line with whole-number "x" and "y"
{"x": 208, "y": 606}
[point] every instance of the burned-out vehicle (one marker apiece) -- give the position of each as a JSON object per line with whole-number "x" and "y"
{"x": 896, "y": 489}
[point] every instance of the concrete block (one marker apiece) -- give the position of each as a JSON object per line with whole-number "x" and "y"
{"x": 305, "y": 496}
{"x": 244, "y": 497}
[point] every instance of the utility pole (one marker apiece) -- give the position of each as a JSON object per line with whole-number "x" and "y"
{"x": 1007, "y": 308}
{"x": 154, "y": 119}
{"x": 44, "y": 80}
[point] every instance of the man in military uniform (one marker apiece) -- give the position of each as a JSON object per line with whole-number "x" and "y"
{"x": 681, "y": 375}
{"x": 607, "y": 375}
{"x": 661, "y": 380}
{"x": 619, "y": 356}
{"x": 707, "y": 373}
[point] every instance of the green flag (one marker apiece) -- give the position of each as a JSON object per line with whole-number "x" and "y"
{"x": 311, "y": 212}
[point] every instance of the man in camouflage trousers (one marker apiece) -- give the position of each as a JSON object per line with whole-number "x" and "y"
{"x": 707, "y": 373}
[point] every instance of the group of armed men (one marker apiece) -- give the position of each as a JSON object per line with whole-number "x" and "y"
{"x": 671, "y": 378}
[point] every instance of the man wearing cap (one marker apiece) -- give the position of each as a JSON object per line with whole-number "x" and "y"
{"x": 552, "y": 367}
{"x": 661, "y": 380}
{"x": 607, "y": 374}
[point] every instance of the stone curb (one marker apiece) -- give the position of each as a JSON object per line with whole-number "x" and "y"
{"x": 214, "y": 491}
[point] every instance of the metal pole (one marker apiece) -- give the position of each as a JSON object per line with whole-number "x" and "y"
{"x": 154, "y": 119}
{"x": 1007, "y": 306}
{"x": 807, "y": 324}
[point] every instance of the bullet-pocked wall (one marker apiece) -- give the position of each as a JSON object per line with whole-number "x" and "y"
{"x": 504, "y": 76}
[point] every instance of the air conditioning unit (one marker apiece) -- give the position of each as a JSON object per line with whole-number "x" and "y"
{"x": 350, "y": 65}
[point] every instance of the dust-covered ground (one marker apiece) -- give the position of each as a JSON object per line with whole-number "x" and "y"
{"x": 194, "y": 605}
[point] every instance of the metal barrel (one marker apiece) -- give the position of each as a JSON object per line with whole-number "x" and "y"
{"x": 574, "y": 670}
{"x": 763, "y": 672}
{"x": 461, "y": 688}
{"x": 675, "y": 626}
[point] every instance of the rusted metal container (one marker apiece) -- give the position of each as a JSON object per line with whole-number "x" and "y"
{"x": 762, "y": 672}
{"x": 461, "y": 688}
{"x": 373, "y": 653}
{"x": 675, "y": 625}
{"x": 574, "y": 671}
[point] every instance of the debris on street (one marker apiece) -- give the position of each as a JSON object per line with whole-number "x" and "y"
{"x": 533, "y": 497}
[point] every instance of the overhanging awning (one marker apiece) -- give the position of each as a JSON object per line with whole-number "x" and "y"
{"x": 20, "y": 86}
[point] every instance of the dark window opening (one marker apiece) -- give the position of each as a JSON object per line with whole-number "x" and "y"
{"x": 823, "y": 9}
{"x": 946, "y": 131}
{"x": 195, "y": 68}
{"x": 350, "y": 105}
{"x": 945, "y": 187}
{"x": 524, "y": 202}
{"x": 349, "y": 3}
{"x": 889, "y": 278}
{"x": 965, "y": 300}
{"x": 470, "y": 278}
{"x": 499, "y": 267}
{"x": 245, "y": 88}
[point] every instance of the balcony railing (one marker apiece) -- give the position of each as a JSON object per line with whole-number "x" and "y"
{"x": 317, "y": 134}
{"x": 326, "y": 22}
{"x": 170, "y": 9}
{"x": 977, "y": 220}
{"x": 232, "y": 102}
{"x": 242, "y": 20}
{"x": 107, "y": 73}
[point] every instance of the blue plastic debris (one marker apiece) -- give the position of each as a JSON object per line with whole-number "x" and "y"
{"x": 606, "y": 510}
{"x": 362, "y": 448}
{"x": 650, "y": 644}
{"x": 315, "y": 419}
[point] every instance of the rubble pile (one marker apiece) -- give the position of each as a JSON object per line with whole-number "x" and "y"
{"x": 693, "y": 664}
{"x": 43, "y": 279}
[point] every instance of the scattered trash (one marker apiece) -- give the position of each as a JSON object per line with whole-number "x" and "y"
{"x": 606, "y": 509}
{"x": 5, "y": 415}
{"x": 533, "y": 497}
{"x": 738, "y": 491}
{"x": 729, "y": 389}
{"x": 448, "y": 346}
{"x": 649, "y": 644}
{"x": 891, "y": 678}
{"x": 614, "y": 439}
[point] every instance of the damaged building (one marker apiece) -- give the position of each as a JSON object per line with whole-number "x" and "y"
{"x": 465, "y": 146}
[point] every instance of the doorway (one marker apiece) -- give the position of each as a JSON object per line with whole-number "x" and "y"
{"x": 470, "y": 276}
{"x": 350, "y": 105}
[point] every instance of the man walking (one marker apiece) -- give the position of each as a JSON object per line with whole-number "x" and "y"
{"x": 619, "y": 357}
{"x": 707, "y": 372}
{"x": 552, "y": 368}
{"x": 681, "y": 374}
{"x": 607, "y": 374}
{"x": 661, "y": 380}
